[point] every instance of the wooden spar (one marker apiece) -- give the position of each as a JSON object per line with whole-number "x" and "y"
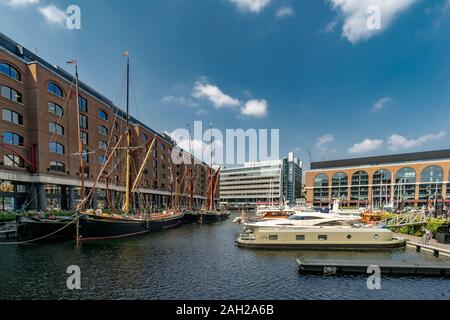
{"x": 144, "y": 163}
{"x": 182, "y": 183}
{"x": 83, "y": 202}
{"x": 80, "y": 148}
{"x": 216, "y": 185}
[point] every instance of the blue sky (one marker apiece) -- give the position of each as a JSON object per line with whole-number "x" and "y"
{"x": 310, "y": 68}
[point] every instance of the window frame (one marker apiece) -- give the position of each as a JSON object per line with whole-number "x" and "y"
{"x": 57, "y": 144}
{"x": 21, "y": 140}
{"x": 55, "y": 86}
{"x": 13, "y": 113}
{"x": 57, "y": 129}
{"x": 11, "y": 67}
{"x": 18, "y": 95}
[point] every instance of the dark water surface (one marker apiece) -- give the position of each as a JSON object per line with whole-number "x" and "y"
{"x": 193, "y": 262}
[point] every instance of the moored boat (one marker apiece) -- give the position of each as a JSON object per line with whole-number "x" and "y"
{"x": 325, "y": 238}
{"x": 213, "y": 216}
{"x": 50, "y": 229}
{"x": 100, "y": 226}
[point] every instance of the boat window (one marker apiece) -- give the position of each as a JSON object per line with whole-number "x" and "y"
{"x": 300, "y": 237}
{"x": 323, "y": 237}
{"x": 333, "y": 223}
{"x": 273, "y": 237}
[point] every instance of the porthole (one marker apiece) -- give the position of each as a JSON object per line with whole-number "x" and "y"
{"x": 376, "y": 237}
{"x": 349, "y": 236}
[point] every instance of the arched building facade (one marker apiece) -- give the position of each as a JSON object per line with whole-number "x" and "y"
{"x": 413, "y": 179}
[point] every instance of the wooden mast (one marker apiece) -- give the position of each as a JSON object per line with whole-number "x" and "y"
{"x": 191, "y": 186}
{"x": 80, "y": 147}
{"x": 126, "y": 207}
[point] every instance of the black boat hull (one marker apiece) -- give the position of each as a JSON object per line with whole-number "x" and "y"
{"x": 211, "y": 217}
{"x": 46, "y": 230}
{"x": 105, "y": 228}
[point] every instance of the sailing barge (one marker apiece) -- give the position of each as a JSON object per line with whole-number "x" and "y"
{"x": 94, "y": 224}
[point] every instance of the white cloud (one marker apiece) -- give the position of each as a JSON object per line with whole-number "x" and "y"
{"x": 214, "y": 95}
{"x": 284, "y": 12}
{"x": 366, "y": 146}
{"x": 202, "y": 111}
{"x": 398, "y": 142}
{"x": 330, "y": 26}
{"x": 53, "y": 15}
{"x": 19, "y": 3}
{"x": 182, "y": 101}
{"x": 254, "y": 6}
{"x": 255, "y": 108}
{"x": 323, "y": 141}
{"x": 355, "y": 16}
{"x": 380, "y": 104}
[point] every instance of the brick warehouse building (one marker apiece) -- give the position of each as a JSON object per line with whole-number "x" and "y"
{"x": 414, "y": 179}
{"x": 39, "y": 159}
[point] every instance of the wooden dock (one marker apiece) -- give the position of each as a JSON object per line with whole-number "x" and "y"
{"x": 336, "y": 267}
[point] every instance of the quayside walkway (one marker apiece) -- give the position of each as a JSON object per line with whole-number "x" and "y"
{"x": 437, "y": 249}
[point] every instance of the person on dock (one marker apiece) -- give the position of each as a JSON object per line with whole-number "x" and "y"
{"x": 426, "y": 237}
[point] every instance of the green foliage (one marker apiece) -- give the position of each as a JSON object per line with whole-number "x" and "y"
{"x": 419, "y": 230}
{"x": 11, "y": 216}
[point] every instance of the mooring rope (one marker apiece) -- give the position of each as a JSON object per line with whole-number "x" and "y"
{"x": 43, "y": 237}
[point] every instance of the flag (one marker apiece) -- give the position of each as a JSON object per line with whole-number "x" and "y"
{"x": 72, "y": 94}
{"x": 72, "y": 62}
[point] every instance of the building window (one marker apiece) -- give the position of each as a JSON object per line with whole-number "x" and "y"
{"x": 56, "y": 147}
{"x": 84, "y": 137}
{"x": 321, "y": 187}
{"x": 448, "y": 186}
{"x": 103, "y": 130}
{"x": 57, "y": 166}
{"x": 85, "y": 155}
{"x": 115, "y": 125}
{"x": 102, "y": 160}
{"x": 102, "y": 145}
{"x": 11, "y": 160}
{"x": 83, "y": 121}
{"x": 11, "y": 94}
{"x": 56, "y": 128}
{"x": 339, "y": 186}
{"x": 116, "y": 139}
{"x": 405, "y": 188}
{"x": 83, "y": 104}
{"x": 431, "y": 183}
{"x": 12, "y": 139}
{"x": 10, "y": 71}
{"x": 381, "y": 190}
{"x": 102, "y": 115}
{"x": 55, "y": 89}
{"x": 13, "y": 117}
{"x": 360, "y": 186}
{"x": 144, "y": 137}
{"x": 86, "y": 171}
{"x": 55, "y": 109}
